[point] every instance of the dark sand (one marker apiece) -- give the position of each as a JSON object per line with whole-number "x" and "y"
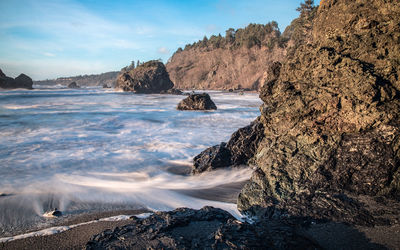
{"x": 77, "y": 237}
{"x": 329, "y": 235}
{"x": 74, "y": 238}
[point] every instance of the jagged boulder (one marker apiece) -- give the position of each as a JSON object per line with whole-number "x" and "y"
{"x": 331, "y": 118}
{"x": 73, "y": 85}
{"x": 241, "y": 148}
{"x": 22, "y": 81}
{"x": 212, "y": 158}
{"x": 147, "y": 78}
{"x": 207, "y": 228}
{"x": 197, "y": 102}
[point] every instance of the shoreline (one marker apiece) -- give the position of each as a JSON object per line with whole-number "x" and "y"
{"x": 75, "y": 237}
{"x": 329, "y": 235}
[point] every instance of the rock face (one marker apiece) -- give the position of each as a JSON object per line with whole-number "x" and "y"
{"x": 238, "y": 151}
{"x": 197, "y": 102}
{"x": 147, "y": 78}
{"x": 73, "y": 85}
{"x": 207, "y": 228}
{"x": 221, "y": 68}
{"x": 331, "y": 118}
{"x": 22, "y": 81}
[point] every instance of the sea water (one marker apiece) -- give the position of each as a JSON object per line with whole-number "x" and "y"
{"x": 94, "y": 149}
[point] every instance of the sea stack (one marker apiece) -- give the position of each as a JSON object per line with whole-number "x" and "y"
{"x": 148, "y": 78}
{"x": 73, "y": 85}
{"x": 22, "y": 81}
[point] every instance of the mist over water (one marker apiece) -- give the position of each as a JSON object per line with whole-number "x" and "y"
{"x": 94, "y": 149}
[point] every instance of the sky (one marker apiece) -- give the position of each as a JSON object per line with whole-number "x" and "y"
{"x": 48, "y": 39}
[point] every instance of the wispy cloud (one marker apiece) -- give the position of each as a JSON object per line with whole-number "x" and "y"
{"x": 49, "y": 54}
{"x": 163, "y": 50}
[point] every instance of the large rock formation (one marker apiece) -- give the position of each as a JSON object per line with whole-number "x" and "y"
{"x": 207, "y": 228}
{"x": 149, "y": 77}
{"x": 197, "y": 102}
{"x": 331, "y": 118}
{"x": 22, "y": 81}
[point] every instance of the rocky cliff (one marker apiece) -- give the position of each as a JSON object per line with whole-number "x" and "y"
{"x": 149, "y": 77}
{"x": 237, "y": 61}
{"x": 222, "y": 68}
{"x": 331, "y": 118}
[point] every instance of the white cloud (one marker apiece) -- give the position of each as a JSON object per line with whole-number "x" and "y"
{"x": 163, "y": 50}
{"x": 49, "y": 54}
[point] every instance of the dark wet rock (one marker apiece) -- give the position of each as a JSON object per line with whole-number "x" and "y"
{"x": 212, "y": 158}
{"x": 243, "y": 144}
{"x": 197, "y": 102}
{"x": 105, "y": 86}
{"x": 150, "y": 77}
{"x": 207, "y": 228}
{"x": 238, "y": 151}
{"x": 331, "y": 118}
{"x": 22, "y": 81}
{"x": 172, "y": 91}
{"x": 73, "y": 85}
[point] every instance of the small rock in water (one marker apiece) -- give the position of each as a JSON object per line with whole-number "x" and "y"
{"x": 53, "y": 213}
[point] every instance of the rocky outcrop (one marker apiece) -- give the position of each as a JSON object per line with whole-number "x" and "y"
{"x": 331, "y": 118}
{"x": 197, "y": 102}
{"x": 207, "y": 228}
{"x": 22, "y": 81}
{"x": 73, "y": 85}
{"x": 149, "y": 77}
{"x": 238, "y": 151}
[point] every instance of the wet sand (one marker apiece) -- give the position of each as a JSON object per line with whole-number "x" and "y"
{"x": 77, "y": 237}
{"x": 74, "y": 238}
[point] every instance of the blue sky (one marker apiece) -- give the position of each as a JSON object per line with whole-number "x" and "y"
{"x": 47, "y": 39}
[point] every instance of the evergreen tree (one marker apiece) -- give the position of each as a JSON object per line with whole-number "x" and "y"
{"x": 306, "y": 8}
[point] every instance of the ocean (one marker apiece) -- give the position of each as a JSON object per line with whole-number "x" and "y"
{"x": 94, "y": 149}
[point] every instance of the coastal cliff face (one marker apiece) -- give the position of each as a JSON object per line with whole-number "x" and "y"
{"x": 331, "y": 117}
{"x": 222, "y": 68}
{"x": 239, "y": 60}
